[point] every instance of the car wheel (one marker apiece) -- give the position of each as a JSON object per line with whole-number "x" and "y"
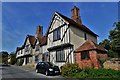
{"x": 36, "y": 70}
{"x": 46, "y": 73}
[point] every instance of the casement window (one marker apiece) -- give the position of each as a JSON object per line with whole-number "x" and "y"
{"x": 21, "y": 51}
{"x": 27, "y": 60}
{"x": 60, "y": 56}
{"x": 37, "y": 47}
{"x": 85, "y": 36}
{"x": 27, "y": 48}
{"x": 18, "y": 52}
{"x": 56, "y": 34}
{"x": 85, "y": 55}
{"x": 36, "y": 58}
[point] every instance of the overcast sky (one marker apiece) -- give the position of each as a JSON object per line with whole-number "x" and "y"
{"x": 20, "y": 19}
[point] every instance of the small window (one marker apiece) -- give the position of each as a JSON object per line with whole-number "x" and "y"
{"x": 36, "y": 58}
{"x": 21, "y": 51}
{"x": 37, "y": 47}
{"x": 56, "y": 34}
{"x": 60, "y": 56}
{"x": 85, "y": 36}
{"x": 27, "y": 60}
{"x": 27, "y": 48}
{"x": 18, "y": 52}
{"x": 85, "y": 55}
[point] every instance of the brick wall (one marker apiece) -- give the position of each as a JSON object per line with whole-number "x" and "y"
{"x": 104, "y": 56}
{"x": 92, "y": 62}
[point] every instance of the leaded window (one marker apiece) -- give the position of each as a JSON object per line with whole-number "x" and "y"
{"x": 37, "y": 47}
{"x": 60, "y": 56}
{"x": 56, "y": 34}
{"x": 85, "y": 55}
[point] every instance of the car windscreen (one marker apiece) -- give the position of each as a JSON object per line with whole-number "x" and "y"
{"x": 50, "y": 64}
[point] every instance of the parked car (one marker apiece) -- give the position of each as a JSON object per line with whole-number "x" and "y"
{"x": 47, "y": 68}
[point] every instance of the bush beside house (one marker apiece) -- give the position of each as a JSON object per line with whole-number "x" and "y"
{"x": 68, "y": 69}
{"x": 20, "y": 62}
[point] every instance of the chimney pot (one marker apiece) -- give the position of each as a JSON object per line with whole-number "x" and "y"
{"x": 39, "y": 31}
{"x": 76, "y": 15}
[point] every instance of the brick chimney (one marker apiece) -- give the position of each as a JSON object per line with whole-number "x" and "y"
{"x": 76, "y": 15}
{"x": 39, "y": 31}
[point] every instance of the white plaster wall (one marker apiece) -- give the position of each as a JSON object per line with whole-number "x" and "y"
{"x": 77, "y": 37}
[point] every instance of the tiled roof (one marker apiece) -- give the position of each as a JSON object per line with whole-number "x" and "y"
{"x": 42, "y": 40}
{"x": 72, "y": 22}
{"x": 32, "y": 40}
{"x": 89, "y": 45}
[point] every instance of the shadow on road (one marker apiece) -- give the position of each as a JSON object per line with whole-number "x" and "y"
{"x": 4, "y": 65}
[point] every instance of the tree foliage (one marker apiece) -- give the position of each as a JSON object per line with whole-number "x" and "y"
{"x": 13, "y": 58}
{"x": 113, "y": 43}
{"x": 114, "y": 37}
{"x": 4, "y": 57}
{"x": 105, "y": 43}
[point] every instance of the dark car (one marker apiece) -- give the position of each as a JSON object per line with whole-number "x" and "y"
{"x": 47, "y": 68}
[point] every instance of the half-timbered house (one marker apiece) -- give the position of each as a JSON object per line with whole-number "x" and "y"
{"x": 25, "y": 53}
{"x": 65, "y": 35}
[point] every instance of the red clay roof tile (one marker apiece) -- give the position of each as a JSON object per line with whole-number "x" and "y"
{"x": 89, "y": 45}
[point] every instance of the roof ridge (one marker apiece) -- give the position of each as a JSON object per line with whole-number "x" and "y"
{"x": 71, "y": 21}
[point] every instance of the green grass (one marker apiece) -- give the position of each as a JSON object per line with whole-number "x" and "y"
{"x": 96, "y": 73}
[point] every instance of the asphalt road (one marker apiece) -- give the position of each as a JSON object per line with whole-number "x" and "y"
{"x": 14, "y": 72}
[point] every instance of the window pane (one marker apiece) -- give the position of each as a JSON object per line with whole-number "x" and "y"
{"x": 85, "y": 36}
{"x": 60, "y": 56}
{"x": 85, "y": 55}
{"x": 27, "y": 48}
{"x": 37, "y": 47}
{"x": 56, "y": 34}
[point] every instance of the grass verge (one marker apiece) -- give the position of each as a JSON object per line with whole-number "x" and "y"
{"x": 95, "y": 73}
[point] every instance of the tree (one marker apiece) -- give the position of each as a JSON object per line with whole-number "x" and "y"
{"x": 114, "y": 36}
{"x": 113, "y": 43}
{"x": 13, "y": 58}
{"x": 105, "y": 43}
{"x": 4, "y": 57}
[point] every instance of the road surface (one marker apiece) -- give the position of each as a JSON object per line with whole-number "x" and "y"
{"x": 14, "y": 72}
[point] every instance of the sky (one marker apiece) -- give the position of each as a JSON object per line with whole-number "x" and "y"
{"x": 22, "y": 18}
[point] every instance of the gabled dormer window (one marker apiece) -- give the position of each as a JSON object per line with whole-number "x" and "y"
{"x": 56, "y": 34}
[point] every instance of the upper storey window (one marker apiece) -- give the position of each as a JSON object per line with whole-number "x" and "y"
{"x": 85, "y": 36}
{"x": 37, "y": 48}
{"x": 27, "y": 48}
{"x": 56, "y": 34}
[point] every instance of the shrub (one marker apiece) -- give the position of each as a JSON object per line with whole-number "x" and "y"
{"x": 67, "y": 69}
{"x": 19, "y": 63}
{"x": 13, "y": 59}
{"x": 102, "y": 61}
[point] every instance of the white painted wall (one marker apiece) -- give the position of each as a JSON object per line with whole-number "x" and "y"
{"x": 56, "y": 24}
{"x": 51, "y": 43}
{"x": 77, "y": 37}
